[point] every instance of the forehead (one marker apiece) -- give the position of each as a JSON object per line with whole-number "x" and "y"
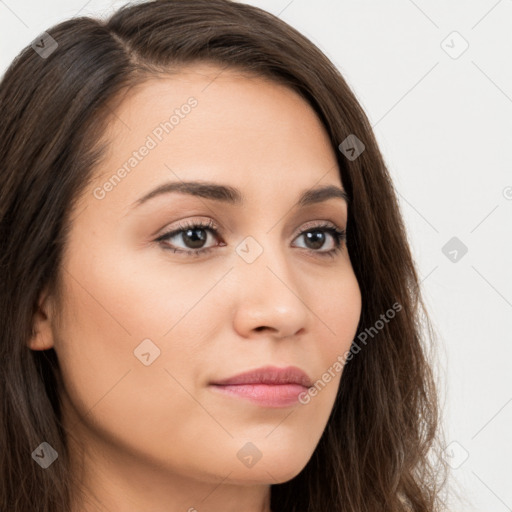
{"x": 206, "y": 122}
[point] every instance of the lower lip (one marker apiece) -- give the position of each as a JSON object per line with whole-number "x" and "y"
{"x": 266, "y": 395}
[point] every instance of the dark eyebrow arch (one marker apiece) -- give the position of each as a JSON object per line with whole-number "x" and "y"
{"x": 232, "y": 195}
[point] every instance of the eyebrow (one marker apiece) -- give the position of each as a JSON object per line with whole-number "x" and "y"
{"x": 231, "y": 195}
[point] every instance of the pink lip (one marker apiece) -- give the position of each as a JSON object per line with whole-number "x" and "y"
{"x": 268, "y": 386}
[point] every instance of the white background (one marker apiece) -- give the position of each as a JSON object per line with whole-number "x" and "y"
{"x": 444, "y": 125}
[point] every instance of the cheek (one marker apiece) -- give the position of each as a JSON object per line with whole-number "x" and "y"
{"x": 138, "y": 406}
{"x": 111, "y": 310}
{"x": 137, "y": 297}
{"x": 339, "y": 313}
{"x": 116, "y": 312}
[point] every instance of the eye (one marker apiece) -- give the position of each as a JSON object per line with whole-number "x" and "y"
{"x": 317, "y": 235}
{"x": 194, "y": 237}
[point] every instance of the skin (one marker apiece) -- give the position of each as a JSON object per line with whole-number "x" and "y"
{"x": 156, "y": 437}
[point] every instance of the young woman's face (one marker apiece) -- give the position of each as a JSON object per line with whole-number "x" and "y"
{"x": 144, "y": 331}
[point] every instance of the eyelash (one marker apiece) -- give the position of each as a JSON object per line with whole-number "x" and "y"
{"x": 339, "y": 236}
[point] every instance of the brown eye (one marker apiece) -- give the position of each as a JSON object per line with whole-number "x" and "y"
{"x": 192, "y": 237}
{"x": 317, "y": 236}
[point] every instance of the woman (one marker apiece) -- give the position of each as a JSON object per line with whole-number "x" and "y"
{"x": 209, "y": 302}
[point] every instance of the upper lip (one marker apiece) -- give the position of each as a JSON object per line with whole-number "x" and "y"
{"x": 269, "y": 375}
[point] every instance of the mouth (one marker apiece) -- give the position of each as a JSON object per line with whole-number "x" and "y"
{"x": 268, "y": 386}
{"x": 266, "y": 395}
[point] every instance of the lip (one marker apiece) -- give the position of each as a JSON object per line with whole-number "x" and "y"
{"x": 268, "y": 386}
{"x": 269, "y": 375}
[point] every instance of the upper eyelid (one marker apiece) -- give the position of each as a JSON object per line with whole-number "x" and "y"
{"x": 339, "y": 234}
{"x": 210, "y": 225}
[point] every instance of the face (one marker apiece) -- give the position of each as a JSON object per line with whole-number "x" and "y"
{"x": 149, "y": 320}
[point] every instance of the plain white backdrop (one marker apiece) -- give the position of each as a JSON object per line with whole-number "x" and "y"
{"x": 435, "y": 80}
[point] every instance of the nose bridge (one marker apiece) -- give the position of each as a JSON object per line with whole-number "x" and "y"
{"x": 265, "y": 259}
{"x": 270, "y": 294}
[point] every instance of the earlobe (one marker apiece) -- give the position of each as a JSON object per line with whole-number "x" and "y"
{"x": 42, "y": 333}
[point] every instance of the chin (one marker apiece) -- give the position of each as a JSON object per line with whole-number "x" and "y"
{"x": 275, "y": 468}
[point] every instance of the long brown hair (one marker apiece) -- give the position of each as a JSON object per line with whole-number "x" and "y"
{"x": 374, "y": 453}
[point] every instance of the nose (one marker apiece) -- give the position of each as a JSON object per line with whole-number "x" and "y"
{"x": 268, "y": 297}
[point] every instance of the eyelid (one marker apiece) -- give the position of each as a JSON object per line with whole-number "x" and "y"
{"x": 219, "y": 229}
{"x": 187, "y": 223}
{"x": 312, "y": 224}
{"x": 337, "y": 233}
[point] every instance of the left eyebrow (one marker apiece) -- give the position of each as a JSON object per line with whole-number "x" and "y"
{"x": 231, "y": 195}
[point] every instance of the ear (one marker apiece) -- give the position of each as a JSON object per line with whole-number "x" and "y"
{"x": 42, "y": 333}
